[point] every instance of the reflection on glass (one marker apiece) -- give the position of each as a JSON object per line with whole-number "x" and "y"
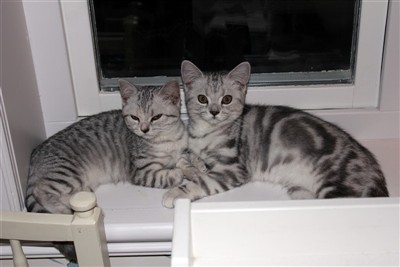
{"x": 151, "y": 38}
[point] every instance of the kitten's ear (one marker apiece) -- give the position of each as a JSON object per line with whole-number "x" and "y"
{"x": 241, "y": 73}
{"x": 171, "y": 92}
{"x": 126, "y": 90}
{"x": 189, "y": 72}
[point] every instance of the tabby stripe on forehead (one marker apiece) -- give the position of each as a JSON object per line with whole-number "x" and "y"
{"x": 214, "y": 80}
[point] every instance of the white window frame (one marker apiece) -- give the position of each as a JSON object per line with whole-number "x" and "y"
{"x": 364, "y": 93}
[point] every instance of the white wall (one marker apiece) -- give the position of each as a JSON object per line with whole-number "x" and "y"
{"x": 18, "y": 85}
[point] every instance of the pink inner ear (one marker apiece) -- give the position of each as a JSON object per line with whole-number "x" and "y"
{"x": 172, "y": 98}
{"x": 190, "y": 72}
{"x": 127, "y": 89}
{"x": 171, "y": 92}
{"x": 241, "y": 73}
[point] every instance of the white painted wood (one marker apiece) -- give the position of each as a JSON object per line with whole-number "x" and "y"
{"x": 11, "y": 191}
{"x": 81, "y": 56}
{"x": 88, "y": 232}
{"x": 155, "y": 261}
{"x": 182, "y": 223}
{"x": 18, "y": 86}
{"x": 390, "y": 89}
{"x": 369, "y": 53}
{"x": 19, "y": 256}
{"x": 50, "y": 59}
{"x": 364, "y": 93}
{"x": 49, "y": 93}
{"x": 360, "y": 232}
{"x": 85, "y": 228}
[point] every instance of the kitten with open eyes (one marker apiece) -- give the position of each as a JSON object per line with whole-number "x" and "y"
{"x": 140, "y": 144}
{"x": 240, "y": 143}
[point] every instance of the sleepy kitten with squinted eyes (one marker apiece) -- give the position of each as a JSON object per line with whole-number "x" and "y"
{"x": 240, "y": 143}
{"x": 140, "y": 144}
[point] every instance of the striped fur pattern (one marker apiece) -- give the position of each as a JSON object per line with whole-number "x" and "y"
{"x": 240, "y": 143}
{"x": 140, "y": 144}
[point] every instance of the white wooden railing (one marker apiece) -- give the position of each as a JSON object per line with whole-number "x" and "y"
{"x": 85, "y": 228}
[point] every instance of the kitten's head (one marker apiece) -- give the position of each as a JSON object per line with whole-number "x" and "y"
{"x": 150, "y": 111}
{"x": 216, "y": 98}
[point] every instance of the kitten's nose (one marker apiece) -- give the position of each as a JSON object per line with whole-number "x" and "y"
{"x": 214, "y": 112}
{"x": 144, "y": 128}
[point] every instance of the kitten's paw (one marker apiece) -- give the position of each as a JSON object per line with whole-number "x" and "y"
{"x": 199, "y": 164}
{"x": 169, "y": 197}
{"x": 183, "y": 163}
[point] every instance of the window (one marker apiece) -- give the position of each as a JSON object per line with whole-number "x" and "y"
{"x": 304, "y": 53}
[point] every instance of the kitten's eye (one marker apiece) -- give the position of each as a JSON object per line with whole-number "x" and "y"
{"x": 156, "y": 117}
{"x": 202, "y": 99}
{"x": 226, "y": 99}
{"x": 135, "y": 118}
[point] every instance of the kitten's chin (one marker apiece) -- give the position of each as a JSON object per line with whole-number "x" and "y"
{"x": 218, "y": 121}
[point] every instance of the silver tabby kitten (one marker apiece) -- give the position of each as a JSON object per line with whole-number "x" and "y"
{"x": 140, "y": 144}
{"x": 241, "y": 143}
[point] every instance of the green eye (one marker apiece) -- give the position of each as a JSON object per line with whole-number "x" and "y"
{"x": 226, "y": 100}
{"x": 135, "y": 118}
{"x": 156, "y": 117}
{"x": 202, "y": 99}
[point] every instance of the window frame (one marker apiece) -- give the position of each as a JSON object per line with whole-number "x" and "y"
{"x": 364, "y": 93}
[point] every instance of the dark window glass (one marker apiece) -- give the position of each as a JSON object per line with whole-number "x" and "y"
{"x": 151, "y": 38}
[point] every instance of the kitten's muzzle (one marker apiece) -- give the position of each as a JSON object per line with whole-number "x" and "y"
{"x": 144, "y": 127}
{"x": 214, "y": 110}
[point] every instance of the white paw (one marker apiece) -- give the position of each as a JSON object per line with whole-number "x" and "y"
{"x": 169, "y": 197}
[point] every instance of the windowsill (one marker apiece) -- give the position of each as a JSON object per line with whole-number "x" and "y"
{"x": 137, "y": 224}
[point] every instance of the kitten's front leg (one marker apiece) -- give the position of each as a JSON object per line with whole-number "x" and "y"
{"x": 203, "y": 184}
{"x": 158, "y": 176}
{"x": 190, "y": 160}
{"x": 188, "y": 189}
